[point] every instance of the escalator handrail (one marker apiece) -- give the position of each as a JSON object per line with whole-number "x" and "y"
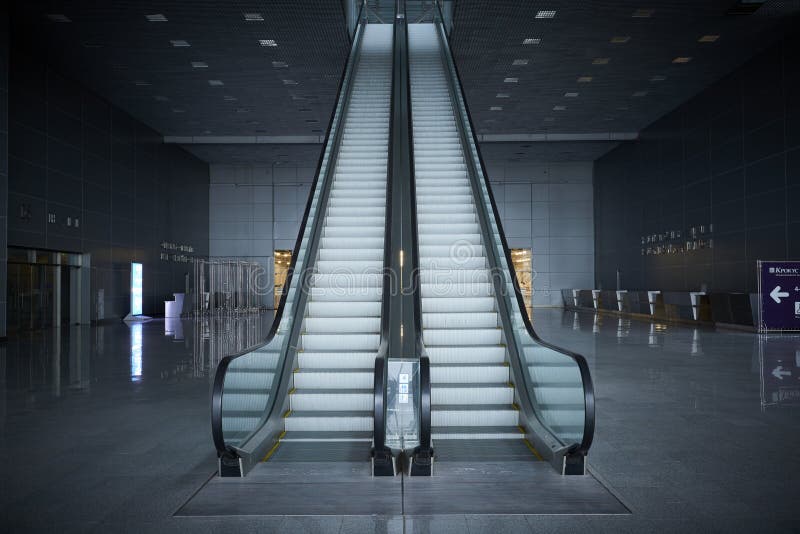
{"x": 217, "y": 392}
{"x": 421, "y": 352}
{"x": 586, "y": 379}
{"x": 381, "y": 377}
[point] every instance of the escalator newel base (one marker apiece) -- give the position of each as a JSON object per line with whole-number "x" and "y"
{"x": 574, "y": 464}
{"x": 230, "y": 465}
{"x": 421, "y": 461}
{"x": 383, "y": 463}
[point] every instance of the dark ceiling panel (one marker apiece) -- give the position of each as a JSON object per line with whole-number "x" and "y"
{"x": 637, "y": 85}
{"x": 289, "y": 89}
{"x": 112, "y": 48}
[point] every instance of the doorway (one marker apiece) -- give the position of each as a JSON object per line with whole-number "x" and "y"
{"x": 44, "y": 289}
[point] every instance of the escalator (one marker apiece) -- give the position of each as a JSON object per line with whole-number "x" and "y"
{"x": 306, "y": 394}
{"x": 497, "y": 390}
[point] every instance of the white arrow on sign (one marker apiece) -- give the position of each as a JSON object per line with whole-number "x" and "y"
{"x": 779, "y": 373}
{"x": 776, "y": 294}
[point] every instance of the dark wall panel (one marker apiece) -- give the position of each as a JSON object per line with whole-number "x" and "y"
{"x": 728, "y": 159}
{"x": 73, "y": 155}
{"x": 4, "y": 47}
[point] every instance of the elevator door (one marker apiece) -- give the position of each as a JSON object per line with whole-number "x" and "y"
{"x": 38, "y": 289}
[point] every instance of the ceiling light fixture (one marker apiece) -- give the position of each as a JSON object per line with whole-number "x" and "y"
{"x": 289, "y": 82}
{"x": 58, "y": 17}
{"x": 253, "y": 17}
{"x": 620, "y": 39}
{"x": 519, "y": 62}
{"x": 601, "y": 61}
{"x": 216, "y": 83}
{"x": 180, "y": 43}
{"x": 496, "y": 108}
{"x": 682, "y": 59}
{"x": 708, "y": 39}
{"x": 585, "y": 79}
{"x": 531, "y": 41}
{"x": 657, "y": 78}
{"x": 267, "y": 42}
{"x": 199, "y": 65}
{"x": 559, "y": 108}
{"x": 280, "y": 64}
{"x": 156, "y": 17}
{"x": 545, "y": 14}
{"x": 643, "y": 13}
{"x": 511, "y": 80}
{"x": 571, "y": 94}
{"x": 503, "y": 95}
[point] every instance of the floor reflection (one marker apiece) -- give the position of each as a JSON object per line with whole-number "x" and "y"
{"x": 41, "y": 366}
{"x": 779, "y": 365}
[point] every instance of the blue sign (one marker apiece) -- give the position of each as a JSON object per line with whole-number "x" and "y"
{"x": 779, "y": 295}
{"x": 136, "y": 288}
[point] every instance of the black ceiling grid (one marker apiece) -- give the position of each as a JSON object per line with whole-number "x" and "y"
{"x": 112, "y": 48}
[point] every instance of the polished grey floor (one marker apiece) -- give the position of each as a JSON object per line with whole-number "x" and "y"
{"x": 106, "y": 429}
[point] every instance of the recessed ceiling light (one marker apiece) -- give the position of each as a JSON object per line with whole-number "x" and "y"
{"x": 545, "y": 14}
{"x": 559, "y": 108}
{"x": 708, "y": 39}
{"x": 682, "y": 59}
{"x": 601, "y": 61}
{"x": 496, "y": 108}
{"x": 511, "y": 80}
{"x": 585, "y": 79}
{"x": 531, "y": 41}
{"x": 289, "y": 82}
{"x": 280, "y": 64}
{"x": 178, "y": 110}
{"x": 156, "y": 17}
{"x": 571, "y": 94}
{"x": 643, "y": 13}
{"x": 229, "y": 98}
{"x": 640, "y": 93}
{"x": 215, "y": 83}
{"x": 199, "y": 65}
{"x": 267, "y": 42}
{"x": 503, "y": 95}
{"x": 141, "y": 83}
{"x": 58, "y": 17}
{"x": 518, "y": 62}
{"x": 161, "y": 98}
{"x": 657, "y": 78}
{"x": 180, "y": 43}
{"x": 253, "y": 17}
{"x": 620, "y": 39}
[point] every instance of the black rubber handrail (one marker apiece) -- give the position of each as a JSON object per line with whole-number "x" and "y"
{"x": 382, "y": 456}
{"x": 586, "y": 379}
{"x": 222, "y": 368}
